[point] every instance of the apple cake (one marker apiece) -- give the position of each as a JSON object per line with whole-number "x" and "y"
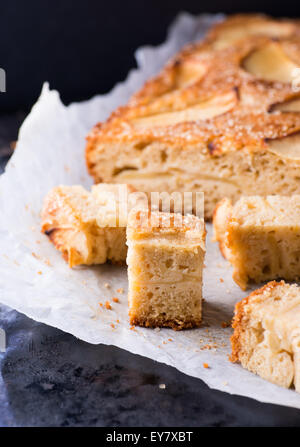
{"x": 260, "y": 236}
{"x": 165, "y": 263}
{"x": 222, "y": 117}
{"x": 87, "y": 227}
{"x": 266, "y": 338}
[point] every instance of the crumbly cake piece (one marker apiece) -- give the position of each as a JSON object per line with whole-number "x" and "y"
{"x": 87, "y": 227}
{"x": 222, "y": 117}
{"x": 266, "y": 336}
{"x": 260, "y": 237}
{"x": 165, "y": 262}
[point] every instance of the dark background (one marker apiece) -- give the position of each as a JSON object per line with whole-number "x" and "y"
{"x": 85, "y": 47}
{"x": 47, "y": 377}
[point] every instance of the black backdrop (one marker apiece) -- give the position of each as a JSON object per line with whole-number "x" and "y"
{"x": 84, "y": 47}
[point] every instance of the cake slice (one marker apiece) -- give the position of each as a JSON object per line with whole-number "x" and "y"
{"x": 88, "y": 227}
{"x": 222, "y": 117}
{"x": 266, "y": 338}
{"x": 165, "y": 263}
{"x": 260, "y": 236}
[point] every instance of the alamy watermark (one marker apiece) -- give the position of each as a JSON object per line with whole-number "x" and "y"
{"x": 120, "y": 202}
{"x": 2, "y": 340}
{"x": 2, "y": 81}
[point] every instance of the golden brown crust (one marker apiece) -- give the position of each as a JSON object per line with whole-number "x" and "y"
{"x": 60, "y": 221}
{"x": 248, "y": 23}
{"x": 73, "y": 257}
{"x": 162, "y": 322}
{"x": 221, "y": 218}
{"x": 240, "y": 319}
{"x": 57, "y": 238}
{"x": 146, "y": 223}
{"x": 201, "y": 72}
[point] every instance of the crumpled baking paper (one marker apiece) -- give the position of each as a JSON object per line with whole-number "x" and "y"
{"x": 35, "y": 280}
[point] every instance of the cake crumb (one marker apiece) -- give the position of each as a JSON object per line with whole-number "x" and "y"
{"x": 120, "y": 290}
{"x": 221, "y": 280}
{"x": 106, "y": 285}
{"x": 225, "y": 324}
{"x": 101, "y": 304}
{"x": 118, "y": 321}
{"x": 112, "y": 325}
{"x": 107, "y": 305}
{"x": 162, "y": 386}
{"x": 39, "y": 272}
{"x": 115, "y": 299}
{"x": 170, "y": 339}
{"x": 157, "y": 329}
{"x": 206, "y": 347}
{"x": 205, "y": 365}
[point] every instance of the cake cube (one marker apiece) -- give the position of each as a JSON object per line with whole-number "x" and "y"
{"x": 260, "y": 236}
{"x": 165, "y": 262}
{"x": 87, "y": 227}
{"x": 266, "y": 338}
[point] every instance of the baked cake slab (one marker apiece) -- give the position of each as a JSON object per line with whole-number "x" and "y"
{"x": 222, "y": 117}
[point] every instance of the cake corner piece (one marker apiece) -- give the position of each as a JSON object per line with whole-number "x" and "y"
{"x": 165, "y": 262}
{"x": 266, "y": 338}
{"x": 81, "y": 225}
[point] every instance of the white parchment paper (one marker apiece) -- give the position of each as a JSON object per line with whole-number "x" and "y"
{"x": 35, "y": 280}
